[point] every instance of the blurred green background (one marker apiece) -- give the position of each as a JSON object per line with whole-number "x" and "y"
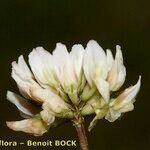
{"x": 25, "y": 24}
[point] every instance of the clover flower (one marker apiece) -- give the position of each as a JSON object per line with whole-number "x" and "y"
{"x": 70, "y": 85}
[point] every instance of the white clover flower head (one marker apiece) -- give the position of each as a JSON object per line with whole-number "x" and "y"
{"x": 62, "y": 84}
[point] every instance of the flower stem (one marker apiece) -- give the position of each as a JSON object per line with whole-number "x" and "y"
{"x": 78, "y": 123}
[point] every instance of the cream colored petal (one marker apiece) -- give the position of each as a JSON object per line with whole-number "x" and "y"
{"x": 110, "y": 59}
{"x": 95, "y": 64}
{"x": 22, "y": 84}
{"x": 22, "y": 104}
{"x": 33, "y": 126}
{"x": 121, "y": 68}
{"x": 127, "y": 96}
{"x": 21, "y": 68}
{"x": 47, "y": 117}
{"x": 55, "y": 103}
{"x": 126, "y": 108}
{"x": 117, "y": 74}
{"x": 63, "y": 66}
{"x": 76, "y": 56}
{"x": 112, "y": 115}
{"x": 22, "y": 64}
{"x": 41, "y": 63}
{"x": 98, "y": 57}
{"x": 113, "y": 76}
{"x": 121, "y": 79}
{"x": 103, "y": 88}
{"x": 23, "y": 79}
{"x": 65, "y": 71}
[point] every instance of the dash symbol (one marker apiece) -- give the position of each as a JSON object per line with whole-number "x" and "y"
{"x": 21, "y": 143}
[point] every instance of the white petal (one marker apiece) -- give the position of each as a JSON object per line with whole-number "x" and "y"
{"x": 22, "y": 64}
{"x": 95, "y": 64}
{"x": 22, "y": 104}
{"x": 87, "y": 66}
{"x": 127, "y": 96}
{"x": 41, "y": 64}
{"x": 55, "y": 103}
{"x": 112, "y": 115}
{"x": 76, "y": 55}
{"x": 103, "y": 88}
{"x": 117, "y": 74}
{"x": 110, "y": 59}
{"x": 63, "y": 66}
{"x": 21, "y": 69}
{"x": 32, "y": 126}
